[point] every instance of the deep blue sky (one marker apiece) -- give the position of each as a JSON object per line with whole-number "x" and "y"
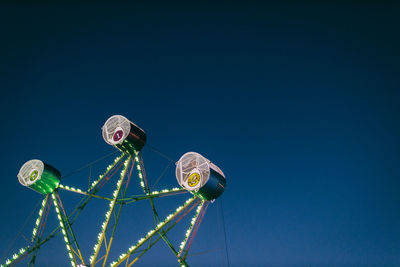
{"x": 297, "y": 103}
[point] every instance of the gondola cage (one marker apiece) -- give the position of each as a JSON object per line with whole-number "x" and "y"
{"x": 39, "y": 176}
{"x": 200, "y": 176}
{"x": 118, "y": 131}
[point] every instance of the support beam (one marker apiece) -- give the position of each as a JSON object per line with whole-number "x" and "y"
{"x": 192, "y": 224}
{"x": 14, "y": 259}
{"x": 109, "y": 212}
{"x": 196, "y": 226}
{"x": 153, "y": 232}
{"x": 118, "y": 214}
{"x": 68, "y": 226}
{"x": 146, "y": 189}
{"x": 39, "y": 219}
{"x": 79, "y": 191}
{"x": 64, "y": 231}
{"x": 109, "y": 168}
{"x": 154, "y": 194}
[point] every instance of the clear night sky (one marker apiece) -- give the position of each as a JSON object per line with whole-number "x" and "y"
{"x": 297, "y": 103}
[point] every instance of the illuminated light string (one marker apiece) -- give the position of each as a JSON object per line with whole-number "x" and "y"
{"x": 108, "y": 214}
{"x": 139, "y": 171}
{"x": 14, "y": 257}
{"x": 64, "y": 232}
{"x": 66, "y": 187}
{"x": 100, "y": 237}
{"x": 160, "y": 225}
{"x": 35, "y": 228}
{"x": 141, "y": 241}
{"x": 79, "y": 191}
{"x": 109, "y": 167}
{"x": 164, "y": 191}
{"x": 192, "y": 223}
{"x": 153, "y": 194}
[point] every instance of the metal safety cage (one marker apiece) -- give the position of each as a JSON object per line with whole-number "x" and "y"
{"x": 39, "y": 176}
{"x": 200, "y": 176}
{"x": 118, "y": 131}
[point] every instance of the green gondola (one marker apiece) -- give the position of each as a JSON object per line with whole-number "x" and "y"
{"x": 39, "y": 176}
{"x": 200, "y": 176}
{"x": 118, "y": 131}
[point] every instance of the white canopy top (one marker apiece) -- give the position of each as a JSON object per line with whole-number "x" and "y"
{"x": 116, "y": 129}
{"x": 193, "y": 171}
{"x": 30, "y": 172}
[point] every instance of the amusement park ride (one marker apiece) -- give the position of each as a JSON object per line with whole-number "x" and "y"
{"x": 194, "y": 173}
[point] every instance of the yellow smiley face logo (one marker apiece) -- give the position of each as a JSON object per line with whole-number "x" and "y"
{"x": 193, "y": 179}
{"x": 33, "y": 175}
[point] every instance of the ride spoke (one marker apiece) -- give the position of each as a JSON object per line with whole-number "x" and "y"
{"x": 117, "y": 217}
{"x": 189, "y": 231}
{"x": 197, "y": 225}
{"x": 108, "y": 214}
{"x": 39, "y": 219}
{"x": 79, "y": 191}
{"x": 154, "y": 194}
{"x": 64, "y": 231}
{"x": 156, "y": 230}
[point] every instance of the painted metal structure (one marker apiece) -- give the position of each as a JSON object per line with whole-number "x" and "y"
{"x": 122, "y": 168}
{"x": 39, "y": 176}
{"x": 118, "y": 131}
{"x": 200, "y": 176}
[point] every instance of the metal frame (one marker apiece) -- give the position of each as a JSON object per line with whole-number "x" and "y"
{"x": 161, "y": 227}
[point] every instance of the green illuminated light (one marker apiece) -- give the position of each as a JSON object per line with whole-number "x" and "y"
{"x": 109, "y": 212}
{"x": 152, "y": 232}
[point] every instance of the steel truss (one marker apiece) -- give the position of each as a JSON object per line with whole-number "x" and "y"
{"x": 125, "y": 163}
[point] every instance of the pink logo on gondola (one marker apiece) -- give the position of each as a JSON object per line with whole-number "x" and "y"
{"x": 118, "y": 135}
